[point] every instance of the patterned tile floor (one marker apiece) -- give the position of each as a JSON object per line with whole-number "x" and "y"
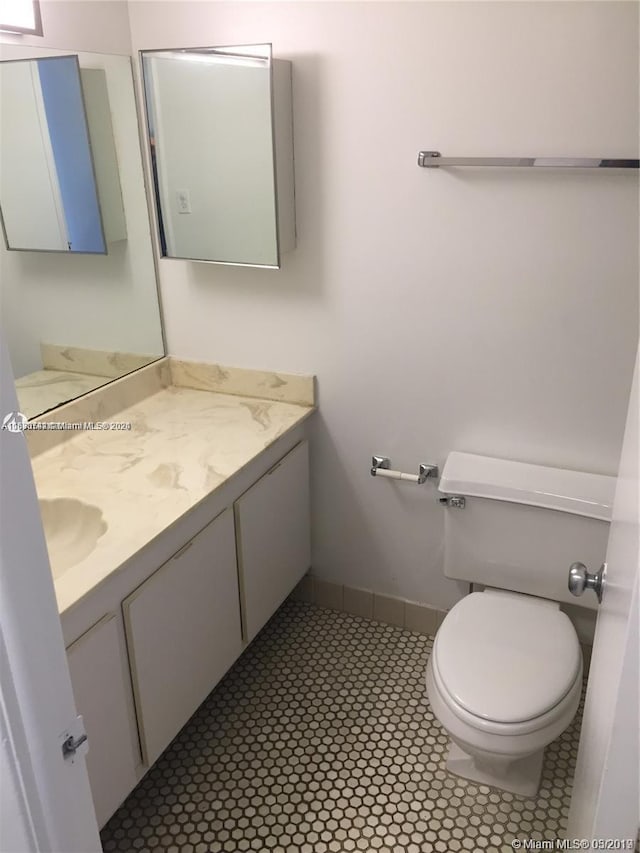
{"x": 320, "y": 740}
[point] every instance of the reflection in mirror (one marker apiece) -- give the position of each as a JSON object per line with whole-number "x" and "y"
{"x": 74, "y": 322}
{"x": 214, "y": 141}
{"x": 48, "y": 194}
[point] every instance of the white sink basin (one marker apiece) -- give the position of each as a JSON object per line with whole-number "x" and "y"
{"x": 72, "y": 529}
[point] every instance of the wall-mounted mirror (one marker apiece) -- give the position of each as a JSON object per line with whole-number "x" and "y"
{"x": 73, "y": 321}
{"x": 221, "y": 146}
{"x": 48, "y": 194}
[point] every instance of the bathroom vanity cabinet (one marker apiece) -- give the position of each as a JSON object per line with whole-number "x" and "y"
{"x": 143, "y": 668}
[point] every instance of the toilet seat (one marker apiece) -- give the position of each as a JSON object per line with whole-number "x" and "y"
{"x": 504, "y": 662}
{"x": 505, "y": 731}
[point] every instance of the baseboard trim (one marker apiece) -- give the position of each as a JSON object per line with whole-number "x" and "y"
{"x": 387, "y": 609}
{"x": 414, "y": 616}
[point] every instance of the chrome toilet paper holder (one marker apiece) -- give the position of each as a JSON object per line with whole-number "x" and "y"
{"x": 381, "y": 467}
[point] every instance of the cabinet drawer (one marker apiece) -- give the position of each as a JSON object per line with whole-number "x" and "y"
{"x": 273, "y": 538}
{"x": 183, "y": 633}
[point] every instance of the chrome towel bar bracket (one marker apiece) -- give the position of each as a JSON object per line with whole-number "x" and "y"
{"x": 434, "y": 160}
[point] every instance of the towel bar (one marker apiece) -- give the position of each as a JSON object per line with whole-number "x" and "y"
{"x": 434, "y": 160}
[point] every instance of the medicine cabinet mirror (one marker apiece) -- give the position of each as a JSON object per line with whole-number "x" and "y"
{"x": 73, "y": 320}
{"x": 221, "y": 148}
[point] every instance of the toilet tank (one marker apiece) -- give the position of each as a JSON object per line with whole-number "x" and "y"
{"x": 523, "y": 525}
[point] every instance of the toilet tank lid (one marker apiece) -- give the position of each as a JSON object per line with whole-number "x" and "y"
{"x": 576, "y": 492}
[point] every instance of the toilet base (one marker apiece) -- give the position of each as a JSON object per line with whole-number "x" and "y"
{"x": 522, "y": 776}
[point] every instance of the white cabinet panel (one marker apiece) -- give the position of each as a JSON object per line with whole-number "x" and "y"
{"x": 102, "y": 690}
{"x": 273, "y": 536}
{"x": 183, "y": 632}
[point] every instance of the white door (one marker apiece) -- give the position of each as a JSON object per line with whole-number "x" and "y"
{"x": 46, "y": 799}
{"x": 606, "y": 788}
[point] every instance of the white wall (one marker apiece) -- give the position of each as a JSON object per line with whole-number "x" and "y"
{"x": 492, "y": 312}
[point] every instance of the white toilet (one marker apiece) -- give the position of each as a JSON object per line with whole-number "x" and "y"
{"x": 505, "y": 675}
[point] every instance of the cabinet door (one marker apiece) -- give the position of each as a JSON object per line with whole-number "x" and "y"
{"x": 273, "y": 538}
{"x": 102, "y": 690}
{"x": 183, "y": 633}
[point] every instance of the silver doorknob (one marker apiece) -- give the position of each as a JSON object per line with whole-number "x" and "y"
{"x": 580, "y": 579}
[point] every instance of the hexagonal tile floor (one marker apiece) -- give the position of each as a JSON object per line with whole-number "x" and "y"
{"x": 320, "y": 739}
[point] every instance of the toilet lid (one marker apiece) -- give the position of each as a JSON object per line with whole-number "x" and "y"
{"x": 506, "y": 658}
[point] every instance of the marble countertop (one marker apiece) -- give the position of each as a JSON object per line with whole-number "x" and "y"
{"x": 183, "y": 444}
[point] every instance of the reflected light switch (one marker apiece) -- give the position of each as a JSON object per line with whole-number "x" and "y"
{"x": 184, "y": 201}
